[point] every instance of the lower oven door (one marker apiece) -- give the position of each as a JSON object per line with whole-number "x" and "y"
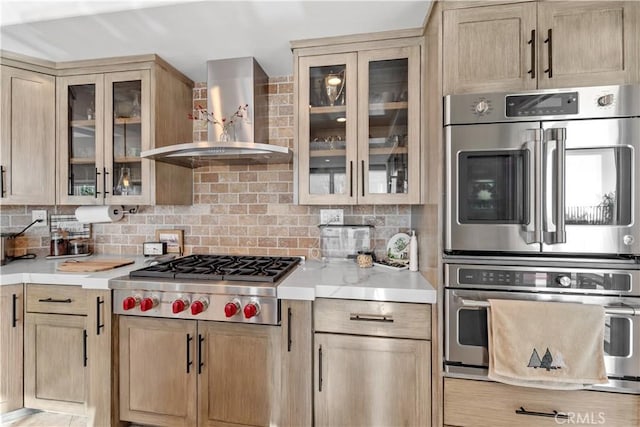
{"x": 466, "y": 352}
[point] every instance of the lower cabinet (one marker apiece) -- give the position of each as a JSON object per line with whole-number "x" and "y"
{"x": 489, "y": 404}
{"x": 67, "y": 351}
{"x": 187, "y": 373}
{"x": 11, "y": 347}
{"x": 372, "y": 364}
{"x": 56, "y": 357}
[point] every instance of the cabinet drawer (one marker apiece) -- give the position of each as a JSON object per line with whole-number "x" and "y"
{"x": 483, "y": 403}
{"x": 383, "y": 319}
{"x": 56, "y": 299}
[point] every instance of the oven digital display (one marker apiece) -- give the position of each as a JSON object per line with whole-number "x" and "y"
{"x": 549, "y": 104}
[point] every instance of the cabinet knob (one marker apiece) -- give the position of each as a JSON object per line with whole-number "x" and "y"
{"x": 251, "y": 310}
{"x": 231, "y": 308}
{"x": 148, "y": 303}
{"x": 129, "y": 303}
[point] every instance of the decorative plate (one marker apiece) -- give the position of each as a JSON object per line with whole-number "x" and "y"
{"x": 398, "y": 247}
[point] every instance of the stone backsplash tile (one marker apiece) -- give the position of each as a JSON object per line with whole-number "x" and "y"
{"x": 239, "y": 209}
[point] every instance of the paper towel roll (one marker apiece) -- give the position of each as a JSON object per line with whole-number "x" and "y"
{"x": 93, "y": 214}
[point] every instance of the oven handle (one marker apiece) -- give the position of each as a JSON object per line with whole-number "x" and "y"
{"x": 625, "y": 311}
{"x": 557, "y": 234}
{"x": 533, "y": 230}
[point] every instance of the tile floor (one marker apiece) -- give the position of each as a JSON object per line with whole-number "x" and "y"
{"x": 48, "y": 419}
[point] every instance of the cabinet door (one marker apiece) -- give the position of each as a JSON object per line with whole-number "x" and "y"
{"x": 56, "y": 360}
{"x": 239, "y": 382}
{"x": 389, "y": 126}
{"x": 158, "y": 371}
{"x": 587, "y": 43}
{"x": 11, "y": 350}
{"x": 489, "y": 48}
{"x": 127, "y": 133}
{"x": 27, "y": 138}
{"x": 81, "y": 139}
{"x": 370, "y": 381}
{"x": 327, "y": 126}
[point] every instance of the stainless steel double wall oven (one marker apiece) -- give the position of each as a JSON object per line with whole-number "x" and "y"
{"x": 543, "y": 204}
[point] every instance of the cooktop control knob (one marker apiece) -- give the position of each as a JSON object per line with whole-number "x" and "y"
{"x": 482, "y": 107}
{"x": 179, "y": 306}
{"x": 199, "y": 306}
{"x": 251, "y": 310}
{"x": 148, "y": 303}
{"x": 232, "y": 308}
{"x": 564, "y": 281}
{"x": 129, "y": 303}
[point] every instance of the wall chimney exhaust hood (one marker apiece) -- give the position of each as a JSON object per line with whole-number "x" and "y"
{"x": 230, "y": 83}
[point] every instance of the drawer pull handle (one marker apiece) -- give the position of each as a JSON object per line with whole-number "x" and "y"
{"x": 14, "y": 311}
{"x": 66, "y": 301}
{"x": 371, "y": 317}
{"x": 99, "y": 325}
{"x": 555, "y": 414}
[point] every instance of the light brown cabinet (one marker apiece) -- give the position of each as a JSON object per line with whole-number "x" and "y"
{"x": 11, "y": 347}
{"x": 540, "y": 45}
{"x": 106, "y": 119}
{"x": 188, "y": 373}
{"x": 27, "y": 137}
{"x": 358, "y": 137}
{"x": 56, "y": 360}
{"x": 362, "y": 376}
{"x": 489, "y": 404}
{"x": 67, "y": 351}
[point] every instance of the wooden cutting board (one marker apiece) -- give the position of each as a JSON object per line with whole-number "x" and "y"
{"x": 87, "y": 266}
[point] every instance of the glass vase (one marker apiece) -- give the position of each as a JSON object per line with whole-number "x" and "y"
{"x": 224, "y": 136}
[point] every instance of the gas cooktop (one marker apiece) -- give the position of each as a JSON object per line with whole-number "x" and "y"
{"x": 244, "y": 268}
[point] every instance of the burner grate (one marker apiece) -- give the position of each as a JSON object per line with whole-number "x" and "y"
{"x": 221, "y": 267}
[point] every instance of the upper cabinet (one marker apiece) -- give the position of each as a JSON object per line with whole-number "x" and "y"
{"x": 106, "y": 119}
{"x": 358, "y": 123}
{"x": 27, "y": 137}
{"x": 540, "y": 45}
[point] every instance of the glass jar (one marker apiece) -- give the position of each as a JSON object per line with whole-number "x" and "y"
{"x": 59, "y": 245}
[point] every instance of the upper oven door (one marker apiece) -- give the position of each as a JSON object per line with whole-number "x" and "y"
{"x": 492, "y": 171}
{"x": 595, "y": 184}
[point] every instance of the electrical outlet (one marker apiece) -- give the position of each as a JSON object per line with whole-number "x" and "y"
{"x": 39, "y": 214}
{"x": 331, "y": 216}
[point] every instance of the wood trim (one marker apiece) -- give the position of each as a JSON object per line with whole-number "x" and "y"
{"x": 448, "y": 5}
{"x": 25, "y": 62}
{"x": 297, "y": 360}
{"x": 359, "y": 47}
{"x": 12, "y": 350}
{"x": 99, "y": 347}
{"x": 356, "y": 38}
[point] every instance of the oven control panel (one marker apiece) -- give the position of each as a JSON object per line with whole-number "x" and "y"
{"x": 552, "y": 279}
{"x": 548, "y": 104}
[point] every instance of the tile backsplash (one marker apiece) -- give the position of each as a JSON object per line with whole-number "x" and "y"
{"x": 243, "y": 209}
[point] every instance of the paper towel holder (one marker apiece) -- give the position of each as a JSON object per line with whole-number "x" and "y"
{"x": 129, "y": 209}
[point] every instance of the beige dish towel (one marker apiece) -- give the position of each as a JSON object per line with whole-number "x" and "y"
{"x": 550, "y": 345}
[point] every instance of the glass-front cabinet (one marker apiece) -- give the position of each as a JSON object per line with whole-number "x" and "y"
{"x": 358, "y": 130}
{"x": 103, "y": 127}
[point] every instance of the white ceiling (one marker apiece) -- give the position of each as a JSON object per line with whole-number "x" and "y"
{"x": 188, "y": 33}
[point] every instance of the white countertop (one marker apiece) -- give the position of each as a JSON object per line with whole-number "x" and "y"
{"x": 344, "y": 279}
{"x": 311, "y": 280}
{"x": 43, "y": 271}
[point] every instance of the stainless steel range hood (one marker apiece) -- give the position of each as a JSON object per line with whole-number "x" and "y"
{"x": 230, "y": 83}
